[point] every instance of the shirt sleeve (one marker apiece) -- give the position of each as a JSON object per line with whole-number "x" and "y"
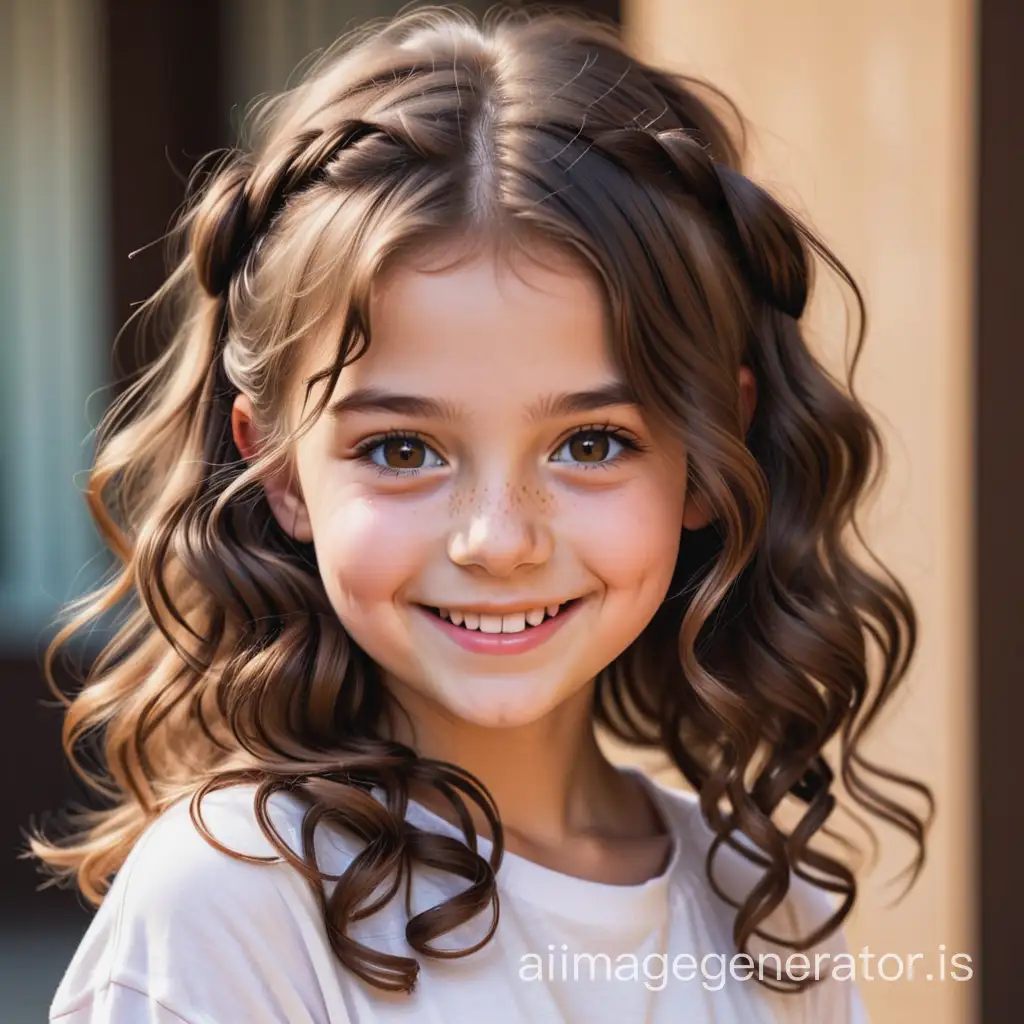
{"x": 190, "y": 935}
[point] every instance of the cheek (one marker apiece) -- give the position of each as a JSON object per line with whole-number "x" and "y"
{"x": 367, "y": 550}
{"x": 630, "y": 538}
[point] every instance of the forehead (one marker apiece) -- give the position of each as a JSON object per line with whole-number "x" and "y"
{"x": 484, "y": 327}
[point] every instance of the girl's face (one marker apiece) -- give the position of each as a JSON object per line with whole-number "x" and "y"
{"x": 483, "y": 458}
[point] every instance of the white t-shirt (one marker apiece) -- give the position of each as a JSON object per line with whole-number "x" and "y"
{"x": 189, "y": 935}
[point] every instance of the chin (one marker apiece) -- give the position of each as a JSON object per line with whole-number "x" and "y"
{"x": 499, "y": 702}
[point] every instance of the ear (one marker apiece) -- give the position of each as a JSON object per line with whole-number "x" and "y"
{"x": 695, "y": 515}
{"x": 748, "y": 396}
{"x": 282, "y": 489}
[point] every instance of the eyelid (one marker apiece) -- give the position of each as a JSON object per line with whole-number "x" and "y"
{"x": 371, "y": 442}
{"x": 600, "y": 428}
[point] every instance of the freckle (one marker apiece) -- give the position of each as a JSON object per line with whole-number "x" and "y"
{"x": 543, "y": 500}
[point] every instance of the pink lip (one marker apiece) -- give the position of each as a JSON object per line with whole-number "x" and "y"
{"x": 501, "y": 643}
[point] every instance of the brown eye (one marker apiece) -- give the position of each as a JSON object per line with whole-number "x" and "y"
{"x": 401, "y": 452}
{"x": 595, "y": 447}
{"x": 591, "y": 446}
{"x": 404, "y": 453}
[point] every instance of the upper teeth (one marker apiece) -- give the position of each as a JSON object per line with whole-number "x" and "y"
{"x": 514, "y": 623}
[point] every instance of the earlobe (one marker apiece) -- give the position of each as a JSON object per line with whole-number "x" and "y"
{"x": 284, "y": 495}
{"x": 695, "y": 516}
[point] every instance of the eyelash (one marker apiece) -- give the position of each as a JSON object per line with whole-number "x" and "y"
{"x": 631, "y": 445}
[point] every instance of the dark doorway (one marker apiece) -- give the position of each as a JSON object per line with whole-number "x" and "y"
{"x": 999, "y": 450}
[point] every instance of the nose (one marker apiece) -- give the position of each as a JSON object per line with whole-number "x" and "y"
{"x": 501, "y": 531}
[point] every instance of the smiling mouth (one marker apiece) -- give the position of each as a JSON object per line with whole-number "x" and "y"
{"x": 517, "y": 622}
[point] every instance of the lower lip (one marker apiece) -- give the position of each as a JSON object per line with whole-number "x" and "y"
{"x": 502, "y": 643}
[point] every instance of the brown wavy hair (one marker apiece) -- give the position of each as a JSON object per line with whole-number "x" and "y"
{"x": 228, "y": 663}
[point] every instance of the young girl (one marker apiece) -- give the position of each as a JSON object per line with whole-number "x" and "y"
{"x": 486, "y": 419}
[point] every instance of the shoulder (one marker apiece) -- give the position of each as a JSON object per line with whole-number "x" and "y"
{"x": 174, "y": 869}
{"x": 186, "y": 923}
{"x": 805, "y": 909}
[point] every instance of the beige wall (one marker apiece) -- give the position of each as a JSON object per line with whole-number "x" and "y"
{"x": 862, "y": 117}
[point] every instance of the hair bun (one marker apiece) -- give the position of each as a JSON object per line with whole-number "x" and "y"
{"x": 242, "y": 200}
{"x": 218, "y": 228}
{"x": 761, "y": 234}
{"x": 770, "y": 241}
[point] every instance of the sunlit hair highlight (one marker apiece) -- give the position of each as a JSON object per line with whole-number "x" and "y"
{"x": 231, "y": 666}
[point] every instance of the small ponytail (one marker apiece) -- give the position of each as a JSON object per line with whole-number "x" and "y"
{"x": 242, "y": 201}
{"x": 762, "y": 235}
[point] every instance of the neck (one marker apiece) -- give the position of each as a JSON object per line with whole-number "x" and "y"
{"x": 549, "y": 778}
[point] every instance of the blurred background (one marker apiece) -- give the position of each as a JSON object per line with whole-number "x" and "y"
{"x": 893, "y": 125}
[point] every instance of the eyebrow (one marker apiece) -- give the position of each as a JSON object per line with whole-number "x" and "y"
{"x": 373, "y": 399}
